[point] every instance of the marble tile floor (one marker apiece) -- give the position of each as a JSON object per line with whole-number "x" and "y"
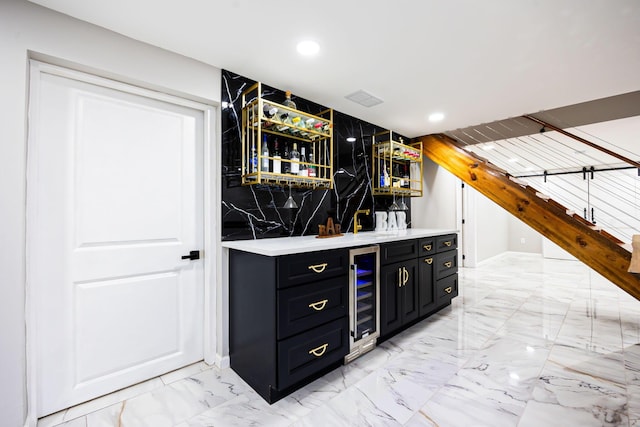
{"x": 529, "y": 342}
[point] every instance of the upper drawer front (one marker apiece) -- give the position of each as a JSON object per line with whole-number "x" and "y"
{"x": 446, "y": 243}
{"x": 398, "y": 251}
{"x": 446, "y": 263}
{"x": 305, "y": 307}
{"x": 427, "y": 246}
{"x": 446, "y": 288}
{"x": 309, "y": 267}
{"x": 305, "y": 354}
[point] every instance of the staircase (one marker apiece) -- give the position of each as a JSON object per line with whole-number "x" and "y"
{"x": 596, "y": 248}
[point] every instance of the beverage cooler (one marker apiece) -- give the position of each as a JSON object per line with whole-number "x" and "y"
{"x": 364, "y": 297}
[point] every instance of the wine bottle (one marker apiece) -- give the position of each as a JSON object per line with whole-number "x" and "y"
{"x": 284, "y": 118}
{"x": 287, "y": 100}
{"x": 269, "y": 110}
{"x": 406, "y": 177}
{"x": 286, "y": 166}
{"x": 303, "y": 160}
{"x": 265, "y": 155}
{"x": 294, "y": 155}
{"x": 276, "y": 158}
{"x": 312, "y": 168}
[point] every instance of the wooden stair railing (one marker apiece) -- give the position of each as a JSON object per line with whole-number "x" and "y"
{"x": 596, "y": 248}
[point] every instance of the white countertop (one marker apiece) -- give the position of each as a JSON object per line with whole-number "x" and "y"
{"x": 292, "y": 245}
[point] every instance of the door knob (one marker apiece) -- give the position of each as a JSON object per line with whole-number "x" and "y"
{"x": 192, "y": 255}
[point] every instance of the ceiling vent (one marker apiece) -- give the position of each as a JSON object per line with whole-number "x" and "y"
{"x": 364, "y": 98}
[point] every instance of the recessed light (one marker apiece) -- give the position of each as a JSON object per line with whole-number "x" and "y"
{"x": 351, "y": 139}
{"x": 308, "y": 47}
{"x": 436, "y": 117}
{"x": 488, "y": 147}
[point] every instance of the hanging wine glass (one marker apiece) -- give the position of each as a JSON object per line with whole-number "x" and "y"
{"x": 290, "y": 203}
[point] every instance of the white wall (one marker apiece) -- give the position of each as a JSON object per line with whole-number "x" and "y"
{"x": 437, "y": 206}
{"x": 523, "y": 238}
{"x": 492, "y": 227}
{"x": 25, "y": 28}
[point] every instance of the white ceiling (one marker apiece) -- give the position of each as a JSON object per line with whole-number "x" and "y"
{"x": 475, "y": 61}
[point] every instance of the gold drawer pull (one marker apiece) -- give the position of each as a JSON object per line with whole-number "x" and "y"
{"x": 447, "y": 243}
{"x": 319, "y": 305}
{"x": 428, "y": 260}
{"x": 319, "y": 351}
{"x": 427, "y": 247}
{"x": 448, "y": 290}
{"x": 448, "y": 264}
{"x": 318, "y": 268}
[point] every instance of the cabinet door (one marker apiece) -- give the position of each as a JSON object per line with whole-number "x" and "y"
{"x": 427, "y": 291}
{"x": 390, "y": 298}
{"x": 399, "y": 297}
{"x": 410, "y": 286}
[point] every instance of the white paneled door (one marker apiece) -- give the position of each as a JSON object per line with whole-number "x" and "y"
{"x": 115, "y": 201}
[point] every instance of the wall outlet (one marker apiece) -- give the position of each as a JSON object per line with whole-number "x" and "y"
{"x": 522, "y": 241}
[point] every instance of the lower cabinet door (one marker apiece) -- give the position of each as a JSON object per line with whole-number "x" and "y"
{"x": 410, "y": 295}
{"x": 427, "y": 289}
{"x": 307, "y": 353}
{"x": 390, "y": 298}
{"x": 399, "y": 299}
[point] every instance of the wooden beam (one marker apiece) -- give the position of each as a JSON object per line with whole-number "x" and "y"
{"x": 549, "y": 218}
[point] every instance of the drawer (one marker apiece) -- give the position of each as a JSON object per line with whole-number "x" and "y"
{"x": 446, "y": 289}
{"x": 312, "y": 266}
{"x": 398, "y": 251}
{"x": 446, "y": 243}
{"x": 427, "y": 246}
{"x": 305, "y": 307}
{"x": 305, "y": 354}
{"x": 446, "y": 264}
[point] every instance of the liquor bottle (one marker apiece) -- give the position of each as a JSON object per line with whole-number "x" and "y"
{"x": 276, "y": 158}
{"x": 303, "y": 160}
{"x": 385, "y": 176}
{"x": 265, "y": 155}
{"x": 286, "y": 166}
{"x": 287, "y": 100}
{"x": 294, "y": 155}
{"x": 253, "y": 160}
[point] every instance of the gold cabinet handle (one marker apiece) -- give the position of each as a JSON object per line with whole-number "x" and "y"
{"x": 318, "y": 305}
{"x": 428, "y": 260}
{"x": 318, "y": 268}
{"x": 400, "y": 277}
{"x": 448, "y": 264}
{"x": 406, "y": 276}
{"x": 319, "y": 351}
{"x": 427, "y": 247}
{"x": 447, "y": 243}
{"x": 448, "y": 290}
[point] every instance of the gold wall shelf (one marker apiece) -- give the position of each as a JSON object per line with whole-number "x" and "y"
{"x": 396, "y": 166}
{"x": 289, "y": 125}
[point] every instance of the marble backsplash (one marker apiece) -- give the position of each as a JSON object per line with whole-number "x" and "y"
{"x": 256, "y": 211}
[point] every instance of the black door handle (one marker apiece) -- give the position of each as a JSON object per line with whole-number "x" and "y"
{"x": 192, "y": 255}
